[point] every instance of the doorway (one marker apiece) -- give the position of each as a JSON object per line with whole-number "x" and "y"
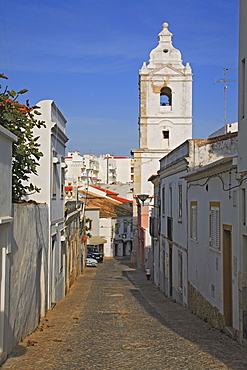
{"x": 170, "y": 272}
{"x": 116, "y": 250}
{"x": 227, "y": 274}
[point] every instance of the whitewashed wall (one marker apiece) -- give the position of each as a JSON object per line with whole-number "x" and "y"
{"x": 93, "y": 215}
{"x": 27, "y": 274}
{"x": 105, "y": 230}
{"x": 123, "y": 169}
{"x": 170, "y": 180}
{"x": 6, "y": 140}
{"x": 205, "y": 264}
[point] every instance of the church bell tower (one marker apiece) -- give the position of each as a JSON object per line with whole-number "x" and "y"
{"x": 165, "y": 112}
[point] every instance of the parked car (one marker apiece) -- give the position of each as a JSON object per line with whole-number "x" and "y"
{"x": 98, "y": 256}
{"x": 91, "y": 262}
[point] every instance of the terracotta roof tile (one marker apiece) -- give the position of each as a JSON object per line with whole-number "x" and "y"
{"x": 108, "y": 207}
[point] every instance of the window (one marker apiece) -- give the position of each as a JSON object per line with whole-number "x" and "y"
{"x": 125, "y": 226}
{"x": 117, "y": 226}
{"x": 62, "y": 249}
{"x": 71, "y": 257}
{"x": 54, "y": 180}
{"x": 180, "y": 195}
{"x": 165, "y": 134}
{"x": 62, "y": 180}
{"x": 63, "y": 167}
{"x": 244, "y": 206}
{"x": 242, "y": 88}
{"x": 193, "y": 220}
{"x": 180, "y": 271}
{"x": 90, "y": 224}
{"x": 170, "y": 201}
{"x": 165, "y": 96}
{"x": 214, "y": 225}
{"x": 163, "y": 201}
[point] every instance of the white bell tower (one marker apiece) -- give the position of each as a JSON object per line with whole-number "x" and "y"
{"x": 165, "y": 114}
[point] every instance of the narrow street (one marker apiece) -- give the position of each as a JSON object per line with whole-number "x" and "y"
{"x": 113, "y": 318}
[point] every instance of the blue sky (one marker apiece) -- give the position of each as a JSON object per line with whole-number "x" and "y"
{"x": 85, "y": 55}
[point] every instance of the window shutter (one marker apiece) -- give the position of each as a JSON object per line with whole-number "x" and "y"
{"x": 194, "y": 221}
{"x": 215, "y": 227}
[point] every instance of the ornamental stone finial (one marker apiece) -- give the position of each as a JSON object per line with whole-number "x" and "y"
{"x": 165, "y": 25}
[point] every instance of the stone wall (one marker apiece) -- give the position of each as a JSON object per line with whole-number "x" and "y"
{"x": 199, "y": 306}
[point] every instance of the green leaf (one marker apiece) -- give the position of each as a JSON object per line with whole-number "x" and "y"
{"x": 23, "y": 91}
{"x": 12, "y": 93}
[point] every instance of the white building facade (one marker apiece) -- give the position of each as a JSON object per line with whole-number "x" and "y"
{"x": 51, "y": 181}
{"x": 213, "y": 243}
{"x": 242, "y": 166}
{"x": 215, "y": 213}
{"x": 172, "y": 258}
{"x": 93, "y": 170}
{"x": 197, "y": 260}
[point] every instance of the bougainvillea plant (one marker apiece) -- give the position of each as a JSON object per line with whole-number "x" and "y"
{"x": 20, "y": 120}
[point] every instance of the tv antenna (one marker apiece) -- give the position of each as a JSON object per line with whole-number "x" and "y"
{"x": 225, "y": 88}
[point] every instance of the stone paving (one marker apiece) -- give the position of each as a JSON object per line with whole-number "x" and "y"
{"x": 113, "y": 318}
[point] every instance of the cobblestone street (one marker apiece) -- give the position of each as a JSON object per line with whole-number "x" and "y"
{"x": 113, "y": 318}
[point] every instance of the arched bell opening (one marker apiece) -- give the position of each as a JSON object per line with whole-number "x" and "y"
{"x": 165, "y": 96}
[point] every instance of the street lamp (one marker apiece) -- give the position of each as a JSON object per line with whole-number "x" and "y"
{"x": 142, "y": 197}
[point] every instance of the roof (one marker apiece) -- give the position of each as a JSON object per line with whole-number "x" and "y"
{"x": 68, "y": 188}
{"x": 108, "y": 192}
{"x": 88, "y": 208}
{"x": 108, "y": 207}
{"x": 152, "y": 177}
{"x": 122, "y": 200}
